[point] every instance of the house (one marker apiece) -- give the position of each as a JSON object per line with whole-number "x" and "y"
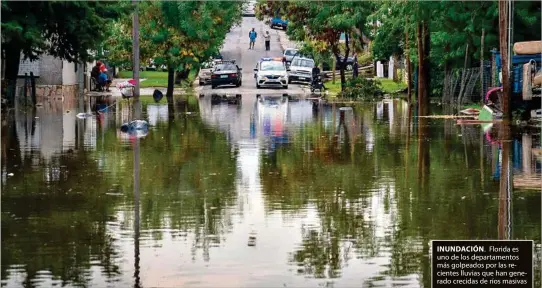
{"x": 56, "y": 79}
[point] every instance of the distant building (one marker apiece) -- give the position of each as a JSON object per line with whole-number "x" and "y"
{"x": 56, "y": 79}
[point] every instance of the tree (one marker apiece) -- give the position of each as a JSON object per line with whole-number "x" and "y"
{"x": 323, "y": 21}
{"x": 69, "y": 30}
{"x": 203, "y": 24}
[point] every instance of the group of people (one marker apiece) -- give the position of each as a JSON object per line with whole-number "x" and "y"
{"x": 252, "y": 35}
{"x": 99, "y": 72}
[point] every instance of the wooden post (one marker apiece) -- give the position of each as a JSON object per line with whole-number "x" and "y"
{"x": 135, "y": 35}
{"x": 463, "y": 78}
{"x": 409, "y": 68}
{"x": 33, "y": 88}
{"x": 504, "y": 46}
{"x": 526, "y": 153}
{"x": 482, "y": 67}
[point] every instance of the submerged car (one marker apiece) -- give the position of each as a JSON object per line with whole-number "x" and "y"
{"x": 226, "y": 73}
{"x": 271, "y": 72}
{"x": 301, "y": 70}
{"x": 205, "y": 72}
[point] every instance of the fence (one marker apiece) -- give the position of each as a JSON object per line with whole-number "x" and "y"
{"x": 464, "y": 86}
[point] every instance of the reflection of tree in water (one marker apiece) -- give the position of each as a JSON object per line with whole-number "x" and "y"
{"x": 59, "y": 225}
{"x": 187, "y": 181}
{"x": 343, "y": 230}
{"x": 435, "y": 195}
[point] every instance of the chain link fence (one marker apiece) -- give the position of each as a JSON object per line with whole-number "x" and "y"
{"x": 466, "y": 86}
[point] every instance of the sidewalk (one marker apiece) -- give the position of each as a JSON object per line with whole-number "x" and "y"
{"x": 284, "y": 41}
{"x": 147, "y": 91}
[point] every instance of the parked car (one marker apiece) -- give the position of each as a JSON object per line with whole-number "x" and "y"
{"x": 249, "y": 9}
{"x": 226, "y": 73}
{"x": 278, "y": 22}
{"x": 300, "y": 70}
{"x": 205, "y": 72}
{"x": 153, "y": 67}
{"x": 289, "y": 54}
{"x": 349, "y": 64}
{"x": 271, "y": 72}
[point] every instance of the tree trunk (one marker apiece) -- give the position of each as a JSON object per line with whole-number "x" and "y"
{"x": 423, "y": 77}
{"x": 170, "y": 85}
{"x": 503, "y": 44}
{"x": 343, "y": 62}
{"x": 482, "y": 67}
{"x": 13, "y": 58}
{"x": 408, "y": 68}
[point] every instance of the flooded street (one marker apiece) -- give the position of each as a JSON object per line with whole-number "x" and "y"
{"x": 269, "y": 192}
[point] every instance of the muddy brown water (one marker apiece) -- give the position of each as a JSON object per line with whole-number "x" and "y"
{"x": 274, "y": 193}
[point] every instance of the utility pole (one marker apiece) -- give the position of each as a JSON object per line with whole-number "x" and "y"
{"x": 504, "y": 35}
{"x": 135, "y": 35}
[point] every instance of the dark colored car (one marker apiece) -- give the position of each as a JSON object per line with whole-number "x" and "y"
{"x": 349, "y": 64}
{"x": 226, "y": 73}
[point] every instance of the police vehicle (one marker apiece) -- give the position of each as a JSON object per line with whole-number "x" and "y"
{"x": 271, "y": 72}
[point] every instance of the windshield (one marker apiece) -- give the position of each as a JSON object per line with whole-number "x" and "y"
{"x": 206, "y": 65}
{"x": 272, "y": 66}
{"x": 290, "y": 52}
{"x": 303, "y": 63}
{"x": 222, "y": 67}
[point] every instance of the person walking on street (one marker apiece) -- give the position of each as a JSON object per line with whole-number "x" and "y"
{"x": 252, "y": 35}
{"x": 267, "y": 38}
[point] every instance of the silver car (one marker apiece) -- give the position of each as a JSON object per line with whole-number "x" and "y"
{"x": 289, "y": 54}
{"x": 205, "y": 72}
{"x": 300, "y": 70}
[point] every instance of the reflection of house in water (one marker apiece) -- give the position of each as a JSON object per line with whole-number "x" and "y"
{"x": 526, "y": 166}
{"x": 50, "y": 129}
{"x": 157, "y": 113}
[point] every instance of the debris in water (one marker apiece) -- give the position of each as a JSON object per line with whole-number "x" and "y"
{"x": 10, "y": 174}
{"x": 138, "y": 128}
{"x": 83, "y": 115}
{"x": 462, "y": 198}
{"x": 157, "y": 95}
{"x": 252, "y": 240}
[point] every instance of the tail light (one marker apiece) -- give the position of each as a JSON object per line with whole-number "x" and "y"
{"x": 233, "y": 75}
{"x": 214, "y": 76}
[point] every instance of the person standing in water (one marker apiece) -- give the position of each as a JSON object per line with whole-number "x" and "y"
{"x": 252, "y": 35}
{"x": 267, "y": 38}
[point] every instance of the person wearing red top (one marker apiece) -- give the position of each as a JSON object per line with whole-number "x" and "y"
{"x": 99, "y": 73}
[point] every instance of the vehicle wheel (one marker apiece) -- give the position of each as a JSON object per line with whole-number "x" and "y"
{"x": 349, "y": 67}
{"x": 213, "y": 86}
{"x": 286, "y": 87}
{"x": 312, "y": 90}
{"x": 201, "y": 83}
{"x": 258, "y": 86}
{"x": 289, "y": 81}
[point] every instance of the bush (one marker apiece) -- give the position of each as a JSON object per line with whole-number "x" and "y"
{"x": 363, "y": 89}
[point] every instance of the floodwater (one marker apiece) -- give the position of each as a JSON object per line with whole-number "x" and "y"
{"x": 277, "y": 193}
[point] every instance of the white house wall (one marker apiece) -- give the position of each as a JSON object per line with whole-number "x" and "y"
{"x": 68, "y": 73}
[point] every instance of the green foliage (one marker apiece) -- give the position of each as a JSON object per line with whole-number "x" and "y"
{"x": 66, "y": 29}
{"x": 176, "y": 34}
{"x": 363, "y": 89}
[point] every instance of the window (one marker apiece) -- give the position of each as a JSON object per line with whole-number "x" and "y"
{"x": 272, "y": 66}
{"x": 303, "y": 63}
{"x": 225, "y": 67}
{"x": 206, "y": 65}
{"x": 290, "y": 52}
